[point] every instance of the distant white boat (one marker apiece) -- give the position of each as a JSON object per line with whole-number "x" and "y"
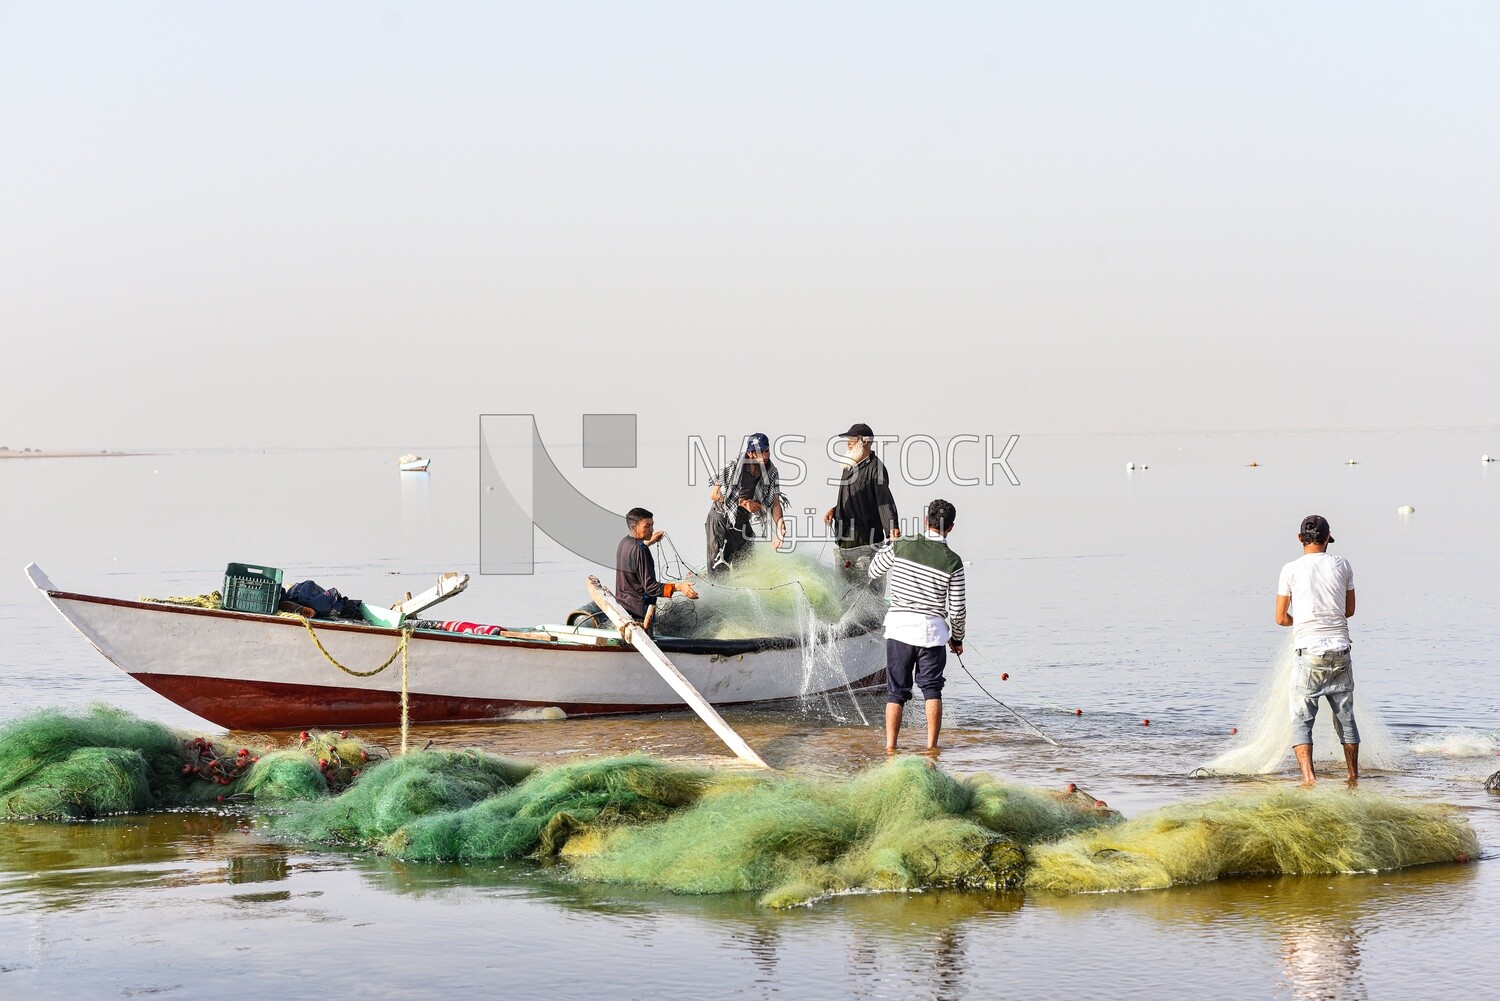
{"x": 414, "y": 463}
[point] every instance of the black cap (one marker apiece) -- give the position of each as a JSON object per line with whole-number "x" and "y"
{"x": 1315, "y": 530}
{"x": 859, "y": 430}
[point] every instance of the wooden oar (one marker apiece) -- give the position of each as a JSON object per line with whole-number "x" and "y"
{"x": 632, "y": 633}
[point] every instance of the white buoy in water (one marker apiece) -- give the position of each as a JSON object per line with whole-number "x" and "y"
{"x": 1406, "y": 509}
{"x": 1485, "y": 458}
{"x": 1129, "y": 466}
{"x": 1352, "y": 462}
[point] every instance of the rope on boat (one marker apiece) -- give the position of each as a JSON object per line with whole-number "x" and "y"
{"x": 401, "y": 651}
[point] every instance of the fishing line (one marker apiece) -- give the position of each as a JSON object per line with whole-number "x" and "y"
{"x": 1002, "y": 705}
{"x": 1039, "y": 698}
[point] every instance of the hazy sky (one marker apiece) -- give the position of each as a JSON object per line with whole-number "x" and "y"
{"x": 367, "y": 223}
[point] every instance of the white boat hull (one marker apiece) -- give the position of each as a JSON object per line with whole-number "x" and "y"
{"x": 246, "y": 671}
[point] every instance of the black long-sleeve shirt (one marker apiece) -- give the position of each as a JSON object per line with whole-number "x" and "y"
{"x": 636, "y": 585}
{"x": 865, "y": 513}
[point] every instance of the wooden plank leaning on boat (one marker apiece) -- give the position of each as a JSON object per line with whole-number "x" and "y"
{"x": 632, "y": 633}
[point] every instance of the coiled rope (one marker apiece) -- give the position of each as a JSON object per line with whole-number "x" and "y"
{"x": 401, "y": 651}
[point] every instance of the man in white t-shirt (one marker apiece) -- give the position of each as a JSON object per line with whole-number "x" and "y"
{"x": 1319, "y": 588}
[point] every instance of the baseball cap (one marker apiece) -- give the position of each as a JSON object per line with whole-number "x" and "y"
{"x": 757, "y": 442}
{"x": 859, "y": 430}
{"x": 1315, "y": 529}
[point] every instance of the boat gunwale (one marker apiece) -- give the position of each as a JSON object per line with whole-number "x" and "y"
{"x": 673, "y": 644}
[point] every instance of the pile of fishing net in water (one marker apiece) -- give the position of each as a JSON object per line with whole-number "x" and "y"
{"x": 78, "y": 766}
{"x": 1263, "y": 745}
{"x": 769, "y": 594}
{"x": 641, "y": 821}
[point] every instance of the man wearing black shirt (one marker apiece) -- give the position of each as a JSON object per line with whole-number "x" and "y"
{"x": 636, "y": 585}
{"x": 864, "y": 515}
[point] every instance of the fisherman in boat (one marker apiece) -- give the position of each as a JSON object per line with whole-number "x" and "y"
{"x": 864, "y": 516}
{"x": 927, "y": 613}
{"x": 636, "y": 585}
{"x": 743, "y": 493}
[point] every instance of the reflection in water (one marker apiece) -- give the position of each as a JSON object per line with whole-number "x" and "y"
{"x": 266, "y": 866}
{"x": 415, "y": 502}
{"x": 1318, "y": 924}
{"x": 761, "y": 940}
{"x": 65, "y": 865}
{"x": 1322, "y": 960}
{"x": 922, "y": 939}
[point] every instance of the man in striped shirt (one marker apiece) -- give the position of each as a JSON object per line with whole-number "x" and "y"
{"x": 927, "y": 613}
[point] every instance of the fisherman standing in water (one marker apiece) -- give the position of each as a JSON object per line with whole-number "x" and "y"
{"x": 927, "y": 610}
{"x": 864, "y": 515}
{"x": 744, "y": 490}
{"x": 636, "y": 585}
{"x": 1319, "y": 587}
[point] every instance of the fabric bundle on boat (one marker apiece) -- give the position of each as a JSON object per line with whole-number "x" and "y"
{"x": 456, "y": 626}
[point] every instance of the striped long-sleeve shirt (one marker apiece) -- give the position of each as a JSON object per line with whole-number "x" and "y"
{"x": 926, "y": 579}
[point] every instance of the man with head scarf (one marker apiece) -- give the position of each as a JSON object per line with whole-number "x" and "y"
{"x": 745, "y": 491}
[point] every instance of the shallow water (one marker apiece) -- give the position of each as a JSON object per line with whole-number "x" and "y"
{"x": 1133, "y": 596}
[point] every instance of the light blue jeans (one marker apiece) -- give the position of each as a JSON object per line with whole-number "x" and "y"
{"x": 1323, "y": 675}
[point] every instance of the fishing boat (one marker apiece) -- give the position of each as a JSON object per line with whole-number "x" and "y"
{"x": 248, "y": 671}
{"x": 412, "y": 463}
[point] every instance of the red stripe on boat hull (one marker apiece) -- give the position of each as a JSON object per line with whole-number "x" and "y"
{"x": 263, "y": 705}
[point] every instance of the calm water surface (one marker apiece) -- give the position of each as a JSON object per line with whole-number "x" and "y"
{"x": 1129, "y": 595}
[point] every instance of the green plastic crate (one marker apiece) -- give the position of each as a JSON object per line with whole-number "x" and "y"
{"x": 249, "y": 588}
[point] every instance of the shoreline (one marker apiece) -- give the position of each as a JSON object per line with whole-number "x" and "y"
{"x": 69, "y": 454}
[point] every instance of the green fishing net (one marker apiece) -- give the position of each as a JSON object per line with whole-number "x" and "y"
{"x": 900, "y": 827}
{"x": 542, "y": 813}
{"x": 642, "y": 821}
{"x": 82, "y": 765}
{"x": 89, "y": 782}
{"x": 53, "y": 764}
{"x": 767, "y": 594}
{"x": 1287, "y": 831}
{"x": 423, "y": 785}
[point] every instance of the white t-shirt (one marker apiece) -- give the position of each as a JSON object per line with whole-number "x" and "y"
{"x": 916, "y": 628}
{"x": 1317, "y": 584}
